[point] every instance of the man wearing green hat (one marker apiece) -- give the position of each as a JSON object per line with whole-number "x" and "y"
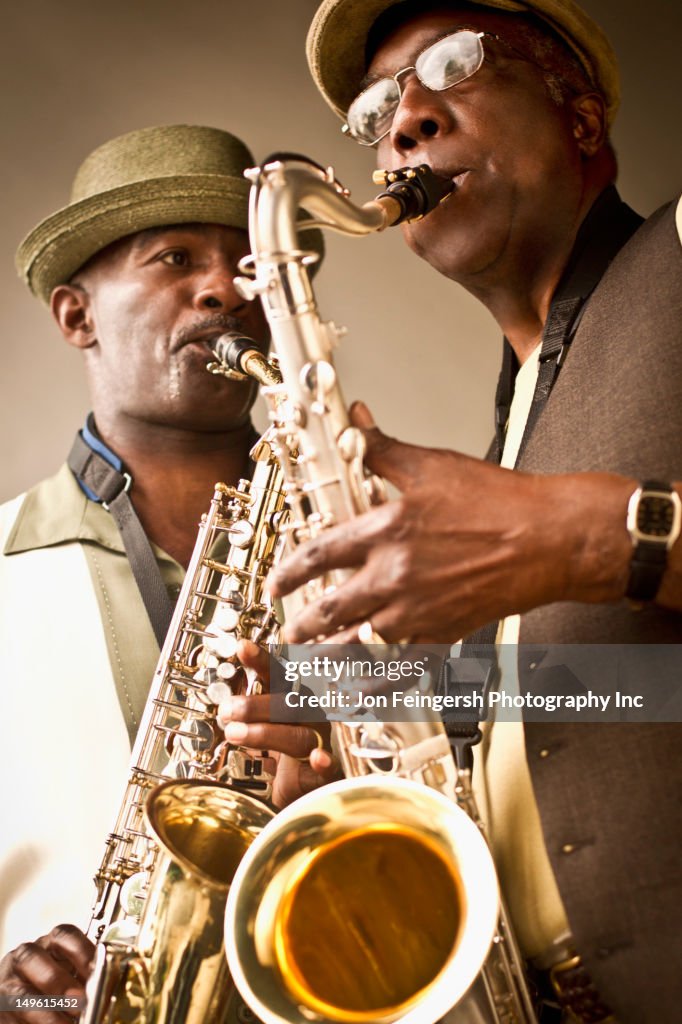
{"x": 513, "y": 100}
{"x": 138, "y": 271}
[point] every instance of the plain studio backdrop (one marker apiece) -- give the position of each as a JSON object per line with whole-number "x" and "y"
{"x": 419, "y": 350}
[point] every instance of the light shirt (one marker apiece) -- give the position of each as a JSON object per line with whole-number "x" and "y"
{"x": 77, "y": 656}
{"x": 501, "y": 777}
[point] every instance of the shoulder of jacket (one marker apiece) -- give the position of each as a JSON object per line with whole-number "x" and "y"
{"x": 659, "y": 236}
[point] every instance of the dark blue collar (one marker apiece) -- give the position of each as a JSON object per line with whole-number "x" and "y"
{"x": 91, "y": 436}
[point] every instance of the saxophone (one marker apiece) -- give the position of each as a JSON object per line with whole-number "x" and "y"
{"x": 391, "y": 860}
{"x": 192, "y": 803}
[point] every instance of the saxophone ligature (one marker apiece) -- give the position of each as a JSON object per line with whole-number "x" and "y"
{"x": 192, "y": 803}
{"x": 374, "y": 899}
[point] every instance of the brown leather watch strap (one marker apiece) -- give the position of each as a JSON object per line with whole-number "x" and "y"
{"x": 576, "y": 992}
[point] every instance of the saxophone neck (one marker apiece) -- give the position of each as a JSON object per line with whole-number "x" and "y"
{"x": 288, "y": 183}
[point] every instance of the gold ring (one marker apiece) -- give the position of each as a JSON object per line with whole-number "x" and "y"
{"x": 319, "y": 745}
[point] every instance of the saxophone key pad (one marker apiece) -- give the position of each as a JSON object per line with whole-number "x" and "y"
{"x": 218, "y": 692}
{"x": 241, "y": 533}
{"x": 226, "y": 671}
{"x": 224, "y": 646}
{"x": 318, "y": 378}
{"x": 352, "y": 444}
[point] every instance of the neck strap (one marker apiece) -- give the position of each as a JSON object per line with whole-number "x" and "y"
{"x": 102, "y": 476}
{"x": 605, "y": 230}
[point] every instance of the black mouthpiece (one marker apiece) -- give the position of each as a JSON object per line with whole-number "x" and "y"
{"x": 231, "y": 347}
{"x": 417, "y": 189}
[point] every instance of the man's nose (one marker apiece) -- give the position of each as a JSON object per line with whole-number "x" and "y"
{"x": 216, "y": 290}
{"x": 421, "y": 114}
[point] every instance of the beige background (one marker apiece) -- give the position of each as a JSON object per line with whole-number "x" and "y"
{"x": 77, "y": 72}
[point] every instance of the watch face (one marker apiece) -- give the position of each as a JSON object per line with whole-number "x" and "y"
{"x": 655, "y": 515}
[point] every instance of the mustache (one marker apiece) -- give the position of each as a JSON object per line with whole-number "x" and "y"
{"x": 214, "y": 322}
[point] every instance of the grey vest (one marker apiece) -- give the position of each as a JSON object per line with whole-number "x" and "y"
{"x": 610, "y": 794}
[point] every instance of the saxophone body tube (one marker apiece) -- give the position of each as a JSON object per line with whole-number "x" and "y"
{"x": 405, "y": 801}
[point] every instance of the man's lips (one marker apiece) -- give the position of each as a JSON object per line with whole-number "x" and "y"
{"x": 202, "y": 338}
{"x": 457, "y": 175}
{"x": 203, "y": 341}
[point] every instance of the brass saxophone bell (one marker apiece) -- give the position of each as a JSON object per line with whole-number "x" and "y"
{"x": 369, "y": 901}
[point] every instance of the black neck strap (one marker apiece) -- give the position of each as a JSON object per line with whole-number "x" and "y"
{"x": 468, "y": 680}
{"x": 603, "y": 233}
{"x": 103, "y": 478}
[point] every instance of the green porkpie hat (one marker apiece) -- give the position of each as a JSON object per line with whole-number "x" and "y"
{"x": 338, "y": 37}
{"x": 174, "y": 174}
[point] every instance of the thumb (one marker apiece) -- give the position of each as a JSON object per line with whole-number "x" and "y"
{"x": 385, "y": 456}
{"x": 325, "y": 765}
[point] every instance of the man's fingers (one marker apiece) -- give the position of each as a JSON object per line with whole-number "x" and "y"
{"x": 261, "y": 707}
{"x": 353, "y": 601}
{"x": 343, "y": 546}
{"x": 294, "y": 778}
{"x": 57, "y": 964}
{"x": 333, "y": 548}
{"x": 310, "y": 779}
{"x": 254, "y": 657}
{"x": 385, "y": 456}
{"x": 293, "y": 740}
{"x": 324, "y": 765}
{"x": 19, "y": 988}
{"x": 69, "y": 944}
{"x": 42, "y": 973}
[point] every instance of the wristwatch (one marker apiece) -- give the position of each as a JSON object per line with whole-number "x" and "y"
{"x": 654, "y": 521}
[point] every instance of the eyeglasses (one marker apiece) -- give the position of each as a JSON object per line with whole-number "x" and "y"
{"x": 441, "y": 65}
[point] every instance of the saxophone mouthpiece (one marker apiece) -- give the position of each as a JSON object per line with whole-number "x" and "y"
{"x": 231, "y": 348}
{"x": 240, "y": 357}
{"x": 416, "y": 190}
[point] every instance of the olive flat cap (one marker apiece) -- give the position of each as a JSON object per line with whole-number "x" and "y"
{"x": 172, "y": 174}
{"x": 338, "y": 36}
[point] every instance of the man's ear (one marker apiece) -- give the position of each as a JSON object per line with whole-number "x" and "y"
{"x": 70, "y": 305}
{"x": 589, "y": 122}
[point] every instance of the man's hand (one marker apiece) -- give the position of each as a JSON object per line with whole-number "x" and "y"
{"x": 300, "y": 764}
{"x": 465, "y": 544}
{"x": 57, "y": 964}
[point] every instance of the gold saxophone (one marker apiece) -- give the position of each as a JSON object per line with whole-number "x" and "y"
{"x": 192, "y": 804}
{"x": 374, "y": 899}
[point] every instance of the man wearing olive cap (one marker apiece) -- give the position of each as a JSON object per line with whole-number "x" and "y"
{"x": 138, "y": 270}
{"x": 513, "y": 101}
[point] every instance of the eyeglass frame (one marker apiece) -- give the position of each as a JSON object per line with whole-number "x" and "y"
{"x": 346, "y": 129}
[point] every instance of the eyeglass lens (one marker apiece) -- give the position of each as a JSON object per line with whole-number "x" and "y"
{"x": 440, "y": 66}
